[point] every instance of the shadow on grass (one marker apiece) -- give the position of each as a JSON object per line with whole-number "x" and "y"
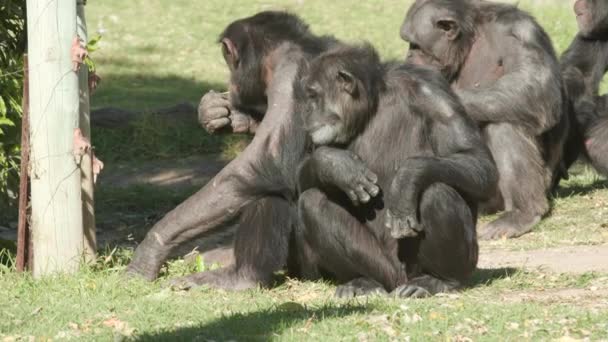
{"x": 8, "y": 253}
{"x": 143, "y": 93}
{"x": 486, "y": 276}
{"x": 578, "y": 189}
{"x": 253, "y": 326}
{"x": 133, "y": 210}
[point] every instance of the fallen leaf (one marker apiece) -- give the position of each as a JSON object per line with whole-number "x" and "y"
{"x": 119, "y": 326}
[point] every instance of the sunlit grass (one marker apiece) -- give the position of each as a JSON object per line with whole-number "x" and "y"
{"x": 157, "y": 53}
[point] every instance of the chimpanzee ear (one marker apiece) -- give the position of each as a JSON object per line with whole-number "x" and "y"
{"x": 348, "y": 81}
{"x": 231, "y": 55}
{"x": 449, "y": 27}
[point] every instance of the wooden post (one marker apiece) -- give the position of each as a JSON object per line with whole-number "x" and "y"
{"x": 23, "y": 232}
{"x": 57, "y": 232}
{"x": 88, "y": 208}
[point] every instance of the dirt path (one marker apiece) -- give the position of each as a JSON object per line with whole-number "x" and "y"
{"x": 570, "y": 259}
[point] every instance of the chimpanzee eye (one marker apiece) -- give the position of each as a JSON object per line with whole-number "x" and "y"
{"x": 414, "y": 46}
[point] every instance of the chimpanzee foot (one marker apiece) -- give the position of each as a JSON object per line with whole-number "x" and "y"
{"x": 506, "y": 227}
{"x": 411, "y": 291}
{"x": 425, "y": 285}
{"x": 146, "y": 270}
{"x": 223, "y": 278}
{"x": 360, "y": 287}
{"x": 402, "y": 225}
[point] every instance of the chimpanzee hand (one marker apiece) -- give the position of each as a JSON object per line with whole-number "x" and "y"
{"x": 401, "y": 214}
{"x": 344, "y": 169}
{"x": 242, "y": 123}
{"x": 214, "y": 111}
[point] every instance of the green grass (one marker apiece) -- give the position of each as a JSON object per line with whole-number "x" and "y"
{"x": 579, "y": 215}
{"x": 153, "y": 137}
{"x": 100, "y": 304}
{"x": 158, "y": 53}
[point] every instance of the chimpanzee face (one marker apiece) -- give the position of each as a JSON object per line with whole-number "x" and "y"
{"x": 434, "y": 34}
{"x": 591, "y": 17}
{"x": 336, "y": 102}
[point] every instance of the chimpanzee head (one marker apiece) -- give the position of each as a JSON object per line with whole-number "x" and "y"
{"x": 592, "y": 18}
{"x": 340, "y": 93}
{"x": 246, "y": 45}
{"x": 440, "y": 33}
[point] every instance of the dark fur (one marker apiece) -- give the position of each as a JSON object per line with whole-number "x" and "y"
{"x": 502, "y": 65}
{"x": 584, "y": 64}
{"x": 258, "y": 188}
{"x": 255, "y": 38}
{"x": 592, "y": 19}
{"x": 425, "y": 154}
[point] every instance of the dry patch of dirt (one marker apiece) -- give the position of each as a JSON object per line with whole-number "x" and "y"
{"x": 569, "y": 259}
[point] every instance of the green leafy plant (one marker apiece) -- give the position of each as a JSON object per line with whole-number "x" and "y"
{"x": 12, "y": 47}
{"x": 92, "y": 45}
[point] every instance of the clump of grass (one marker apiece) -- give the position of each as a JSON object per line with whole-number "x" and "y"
{"x": 151, "y": 137}
{"x": 7, "y": 260}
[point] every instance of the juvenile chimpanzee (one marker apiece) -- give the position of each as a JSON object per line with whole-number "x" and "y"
{"x": 258, "y": 188}
{"x": 407, "y": 126}
{"x": 583, "y": 65}
{"x": 503, "y": 66}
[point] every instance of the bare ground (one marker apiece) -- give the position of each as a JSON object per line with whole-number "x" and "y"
{"x": 196, "y": 171}
{"x": 568, "y": 259}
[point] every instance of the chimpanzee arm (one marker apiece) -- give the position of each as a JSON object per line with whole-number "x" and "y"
{"x": 529, "y": 93}
{"x": 256, "y": 172}
{"x": 583, "y": 66}
{"x": 584, "y": 61}
{"x": 461, "y": 159}
{"x": 328, "y": 166}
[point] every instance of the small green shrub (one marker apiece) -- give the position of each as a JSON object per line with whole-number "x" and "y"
{"x": 12, "y": 46}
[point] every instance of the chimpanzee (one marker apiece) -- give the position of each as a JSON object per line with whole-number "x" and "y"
{"x": 422, "y": 150}
{"x": 258, "y": 188}
{"x": 583, "y": 66}
{"x": 503, "y": 67}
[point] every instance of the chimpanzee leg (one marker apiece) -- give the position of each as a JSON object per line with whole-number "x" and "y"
{"x": 348, "y": 249}
{"x": 260, "y": 248}
{"x": 524, "y": 179}
{"x": 446, "y": 254}
{"x": 217, "y": 203}
{"x": 596, "y": 144}
{"x": 265, "y": 166}
{"x": 262, "y": 242}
